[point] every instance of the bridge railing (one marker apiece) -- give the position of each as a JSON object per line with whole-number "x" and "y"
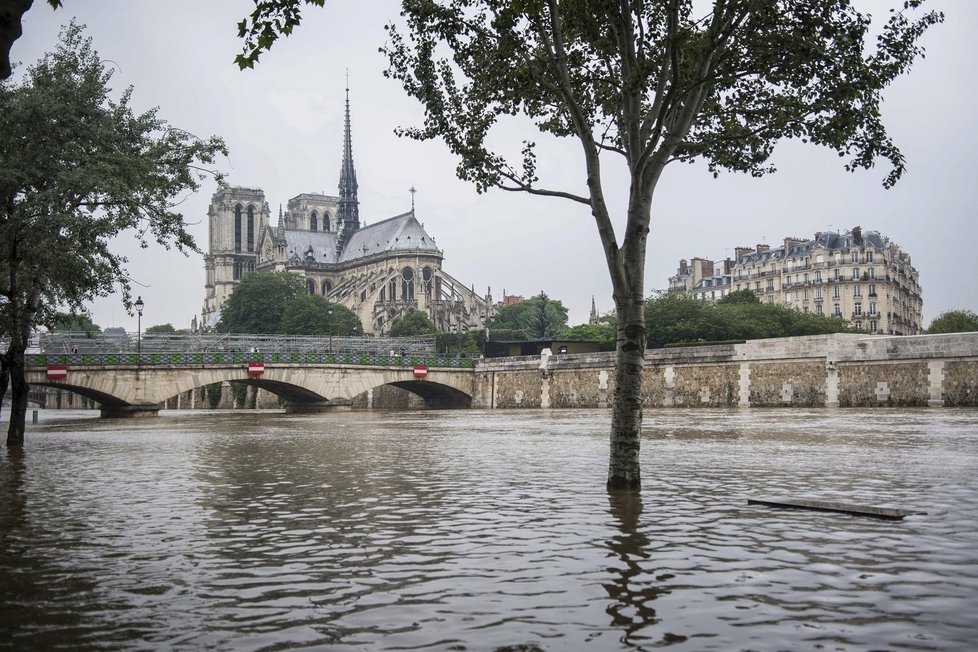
{"x": 196, "y": 358}
{"x": 121, "y": 342}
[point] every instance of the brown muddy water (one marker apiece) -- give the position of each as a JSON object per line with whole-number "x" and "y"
{"x": 479, "y": 530}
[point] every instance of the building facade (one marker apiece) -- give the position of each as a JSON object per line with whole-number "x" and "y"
{"x": 380, "y": 271}
{"x": 861, "y": 277}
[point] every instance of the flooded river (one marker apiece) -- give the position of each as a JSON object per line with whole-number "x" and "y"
{"x": 477, "y": 530}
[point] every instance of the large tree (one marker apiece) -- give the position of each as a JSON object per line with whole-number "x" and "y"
{"x": 79, "y": 169}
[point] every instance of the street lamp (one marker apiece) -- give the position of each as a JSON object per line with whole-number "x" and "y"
{"x": 139, "y": 330}
{"x": 329, "y": 311}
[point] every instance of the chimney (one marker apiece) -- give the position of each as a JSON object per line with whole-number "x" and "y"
{"x": 683, "y": 266}
{"x": 761, "y": 248}
{"x": 857, "y": 236}
{"x": 728, "y": 266}
{"x": 789, "y": 243}
{"x": 740, "y": 252}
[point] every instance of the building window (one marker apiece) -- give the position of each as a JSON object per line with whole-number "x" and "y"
{"x": 855, "y": 256}
{"x": 770, "y": 299}
{"x": 858, "y": 309}
{"x": 872, "y": 290}
{"x": 392, "y": 289}
{"x": 237, "y": 227}
{"x": 327, "y": 287}
{"x": 872, "y": 272}
{"x": 855, "y": 273}
{"x": 313, "y": 222}
{"x": 872, "y": 326}
{"x": 818, "y": 293}
{"x": 837, "y": 273}
{"x": 311, "y": 286}
{"x": 872, "y": 308}
{"x": 806, "y": 278}
{"x": 804, "y": 294}
{"x": 857, "y": 291}
{"x": 836, "y": 311}
{"x": 407, "y": 284}
{"x": 426, "y": 276}
{"x": 859, "y": 325}
{"x": 869, "y": 259}
{"x": 818, "y": 277}
{"x": 835, "y": 292}
{"x": 818, "y": 309}
{"x": 251, "y": 228}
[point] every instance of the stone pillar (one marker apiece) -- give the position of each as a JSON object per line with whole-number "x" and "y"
{"x": 669, "y": 381}
{"x": 545, "y": 388}
{"x": 603, "y": 388}
{"x": 935, "y": 384}
{"x": 744, "y": 385}
{"x": 831, "y": 384}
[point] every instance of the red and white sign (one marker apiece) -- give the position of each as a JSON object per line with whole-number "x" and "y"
{"x": 420, "y": 372}
{"x": 256, "y": 368}
{"x": 56, "y": 372}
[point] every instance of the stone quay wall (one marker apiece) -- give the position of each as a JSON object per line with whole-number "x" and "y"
{"x": 838, "y": 370}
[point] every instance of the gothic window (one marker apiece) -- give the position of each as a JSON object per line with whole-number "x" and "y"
{"x": 383, "y": 294}
{"x": 313, "y": 222}
{"x": 237, "y": 227}
{"x": 327, "y": 287}
{"x": 251, "y": 228}
{"x": 392, "y": 289}
{"x": 407, "y": 284}
{"x": 311, "y": 286}
{"x": 426, "y": 276}
{"x": 325, "y": 221}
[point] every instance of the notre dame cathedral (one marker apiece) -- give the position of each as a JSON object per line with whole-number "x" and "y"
{"x": 378, "y": 271}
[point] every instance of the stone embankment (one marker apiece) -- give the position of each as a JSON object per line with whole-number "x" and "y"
{"x": 839, "y": 370}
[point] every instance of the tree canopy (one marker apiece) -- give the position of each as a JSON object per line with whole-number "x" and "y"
{"x": 954, "y": 321}
{"x": 414, "y": 322}
{"x": 308, "y": 314}
{"x": 79, "y": 170}
{"x": 536, "y": 318}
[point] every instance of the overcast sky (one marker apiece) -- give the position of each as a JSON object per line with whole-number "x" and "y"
{"x": 283, "y": 125}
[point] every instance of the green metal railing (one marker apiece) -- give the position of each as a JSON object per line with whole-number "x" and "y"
{"x": 200, "y": 358}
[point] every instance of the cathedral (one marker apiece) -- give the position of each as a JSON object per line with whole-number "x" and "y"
{"x": 379, "y": 271}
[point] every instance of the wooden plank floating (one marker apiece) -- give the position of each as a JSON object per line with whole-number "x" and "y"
{"x": 829, "y": 506}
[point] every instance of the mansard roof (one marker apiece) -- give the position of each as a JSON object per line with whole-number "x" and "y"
{"x": 400, "y": 233}
{"x": 301, "y": 245}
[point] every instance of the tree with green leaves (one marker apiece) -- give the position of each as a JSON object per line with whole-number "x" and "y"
{"x": 412, "y": 323}
{"x": 258, "y": 302}
{"x": 536, "y": 318}
{"x": 954, "y": 321}
{"x": 80, "y": 169}
{"x": 602, "y": 332}
{"x": 313, "y": 315}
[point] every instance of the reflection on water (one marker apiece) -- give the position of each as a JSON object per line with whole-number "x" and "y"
{"x": 488, "y": 530}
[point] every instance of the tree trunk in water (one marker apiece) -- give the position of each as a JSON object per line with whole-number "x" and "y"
{"x": 18, "y": 399}
{"x": 4, "y": 377}
{"x": 624, "y": 471}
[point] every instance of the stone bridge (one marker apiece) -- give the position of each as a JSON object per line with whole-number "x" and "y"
{"x": 132, "y": 385}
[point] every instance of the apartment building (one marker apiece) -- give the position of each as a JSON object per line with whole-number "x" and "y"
{"x": 862, "y": 277}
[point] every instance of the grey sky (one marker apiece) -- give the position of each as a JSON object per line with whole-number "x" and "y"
{"x": 283, "y": 122}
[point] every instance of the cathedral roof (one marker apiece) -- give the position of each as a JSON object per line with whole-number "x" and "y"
{"x": 312, "y": 246}
{"x": 400, "y": 233}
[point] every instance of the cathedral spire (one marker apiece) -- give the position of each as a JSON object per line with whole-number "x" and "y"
{"x": 348, "y": 216}
{"x": 594, "y": 312}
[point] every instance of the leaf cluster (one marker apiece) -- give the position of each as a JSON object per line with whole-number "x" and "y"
{"x": 412, "y": 323}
